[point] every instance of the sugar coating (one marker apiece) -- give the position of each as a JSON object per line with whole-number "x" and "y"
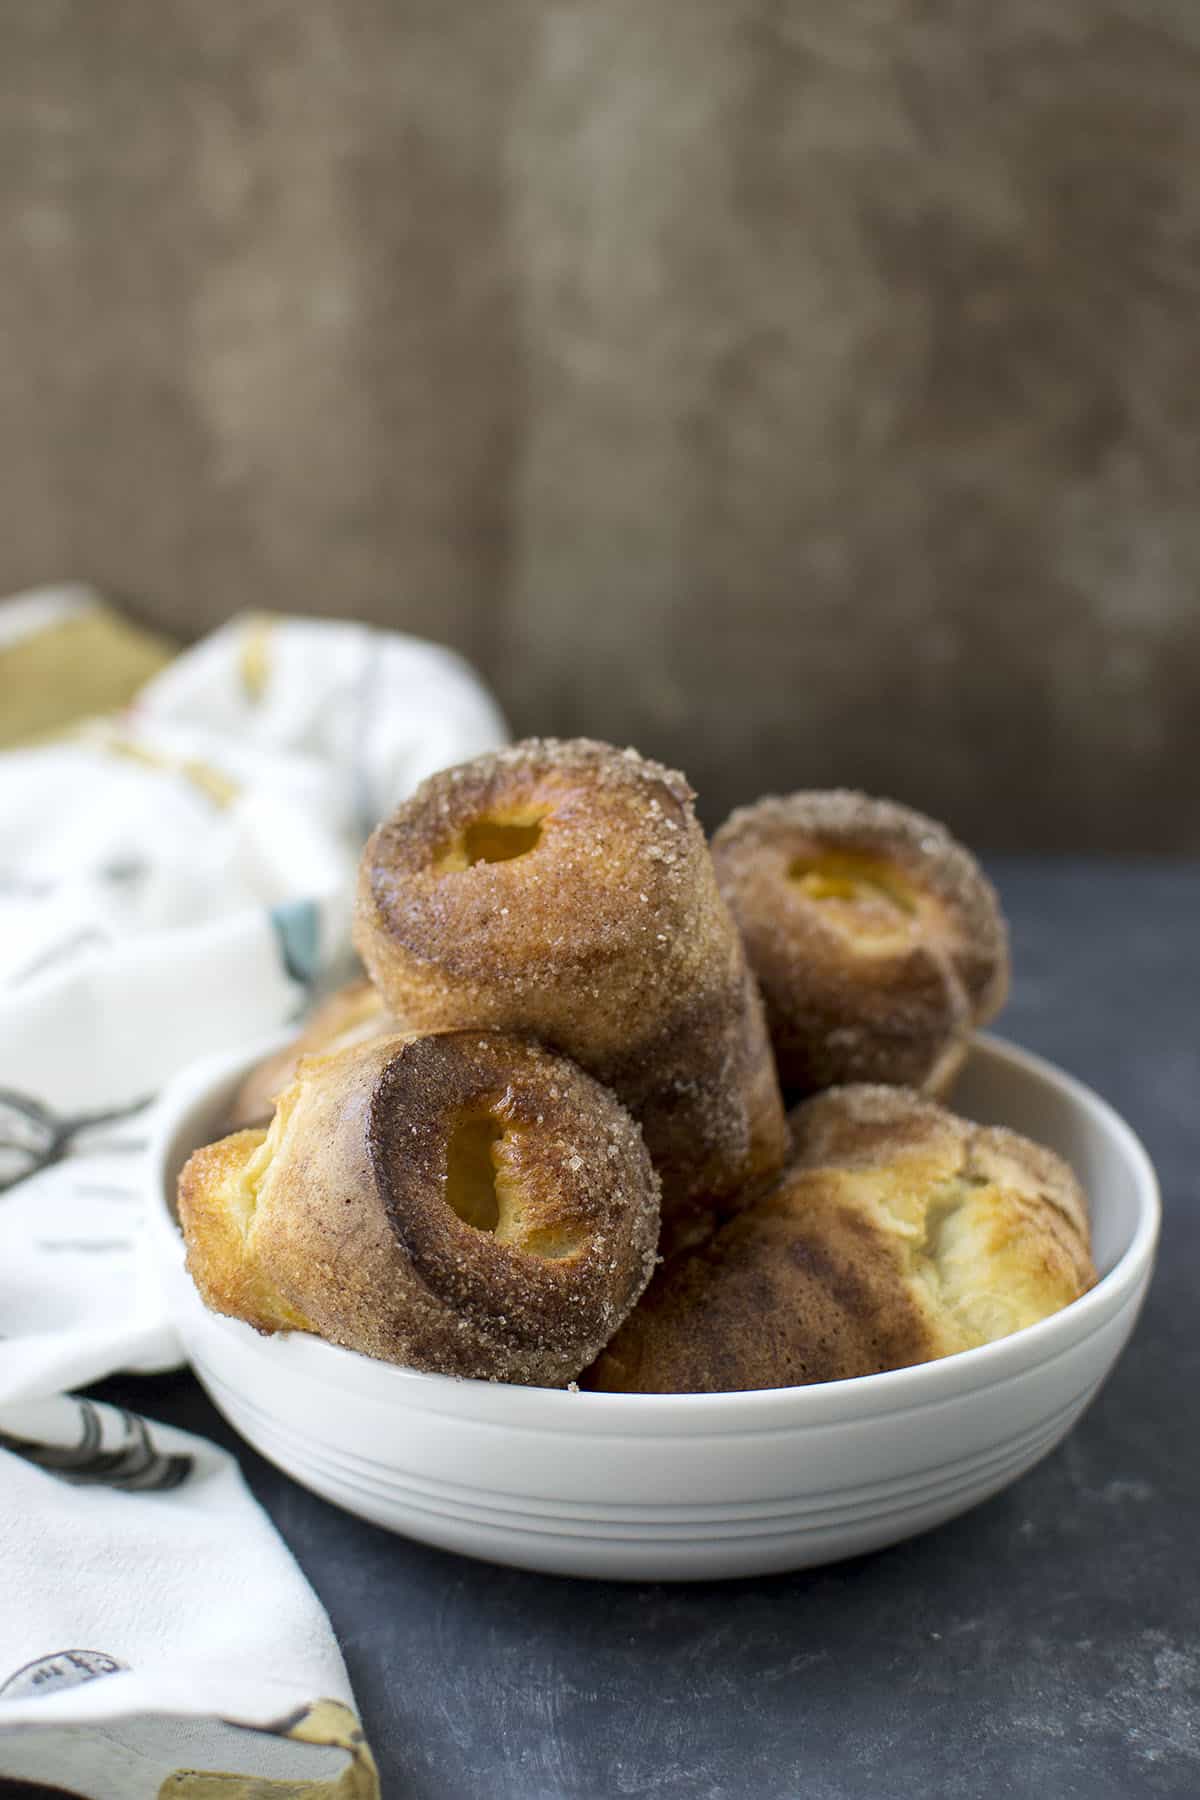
{"x": 893, "y": 1000}
{"x": 608, "y": 940}
{"x": 350, "y": 1234}
{"x": 567, "y": 901}
{"x": 899, "y": 1233}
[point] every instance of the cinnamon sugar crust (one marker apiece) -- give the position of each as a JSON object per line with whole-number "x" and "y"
{"x": 564, "y": 888}
{"x": 877, "y": 940}
{"x": 468, "y": 1203}
{"x": 898, "y": 1234}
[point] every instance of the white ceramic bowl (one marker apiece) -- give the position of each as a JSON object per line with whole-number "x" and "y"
{"x": 673, "y": 1487}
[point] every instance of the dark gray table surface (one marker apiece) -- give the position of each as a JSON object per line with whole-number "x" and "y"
{"x": 1046, "y": 1644}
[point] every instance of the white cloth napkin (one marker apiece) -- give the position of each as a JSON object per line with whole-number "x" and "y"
{"x": 170, "y": 884}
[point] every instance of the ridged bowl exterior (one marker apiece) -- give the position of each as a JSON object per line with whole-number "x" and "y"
{"x": 683, "y": 1487}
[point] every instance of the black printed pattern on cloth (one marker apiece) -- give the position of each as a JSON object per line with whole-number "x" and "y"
{"x": 135, "y": 1464}
{"x": 34, "y": 1137}
{"x": 61, "y": 1669}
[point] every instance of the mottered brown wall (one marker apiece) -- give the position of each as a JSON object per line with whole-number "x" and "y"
{"x": 802, "y": 392}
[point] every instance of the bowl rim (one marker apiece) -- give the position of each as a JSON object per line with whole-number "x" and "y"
{"x": 304, "y": 1356}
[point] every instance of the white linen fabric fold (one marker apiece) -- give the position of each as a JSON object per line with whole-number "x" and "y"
{"x": 171, "y": 883}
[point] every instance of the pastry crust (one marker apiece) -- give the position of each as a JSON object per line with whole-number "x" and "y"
{"x": 353, "y": 1015}
{"x": 876, "y": 938}
{"x": 467, "y": 1203}
{"x": 564, "y": 888}
{"x": 898, "y": 1234}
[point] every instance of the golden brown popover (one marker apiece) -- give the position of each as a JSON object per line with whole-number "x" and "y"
{"x": 899, "y": 1233}
{"x": 564, "y": 888}
{"x": 876, "y": 938}
{"x": 468, "y": 1203}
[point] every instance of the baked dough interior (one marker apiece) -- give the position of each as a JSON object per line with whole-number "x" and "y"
{"x": 484, "y": 1187}
{"x": 990, "y": 1229}
{"x": 863, "y": 897}
{"x": 238, "y": 1167}
{"x": 497, "y": 837}
{"x": 966, "y": 1242}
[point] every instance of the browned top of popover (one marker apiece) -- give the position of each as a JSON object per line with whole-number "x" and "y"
{"x": 899, "y": 1233}
{"x": 919, "y": 885}
{"x": 577, "y": 1244}
{"x": 607, "y": 876}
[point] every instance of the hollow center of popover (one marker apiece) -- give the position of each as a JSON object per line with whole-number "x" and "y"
{"x": 865, "y": 883}
{"x": 471, "y": 1173}
{"x": 484, "y": 1190}
{"x": 497, "y": 837}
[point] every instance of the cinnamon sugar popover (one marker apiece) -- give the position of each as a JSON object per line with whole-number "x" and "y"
{"x": 564, "y": 888}
{"x": 876, "y": 939}
{"x": 898, "y": 1234}
{"x": 468, "y": 1204}
{"x": 352, "y": 1015}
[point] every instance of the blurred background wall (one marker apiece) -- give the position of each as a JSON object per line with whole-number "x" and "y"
{"x": 803, "y": 392}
